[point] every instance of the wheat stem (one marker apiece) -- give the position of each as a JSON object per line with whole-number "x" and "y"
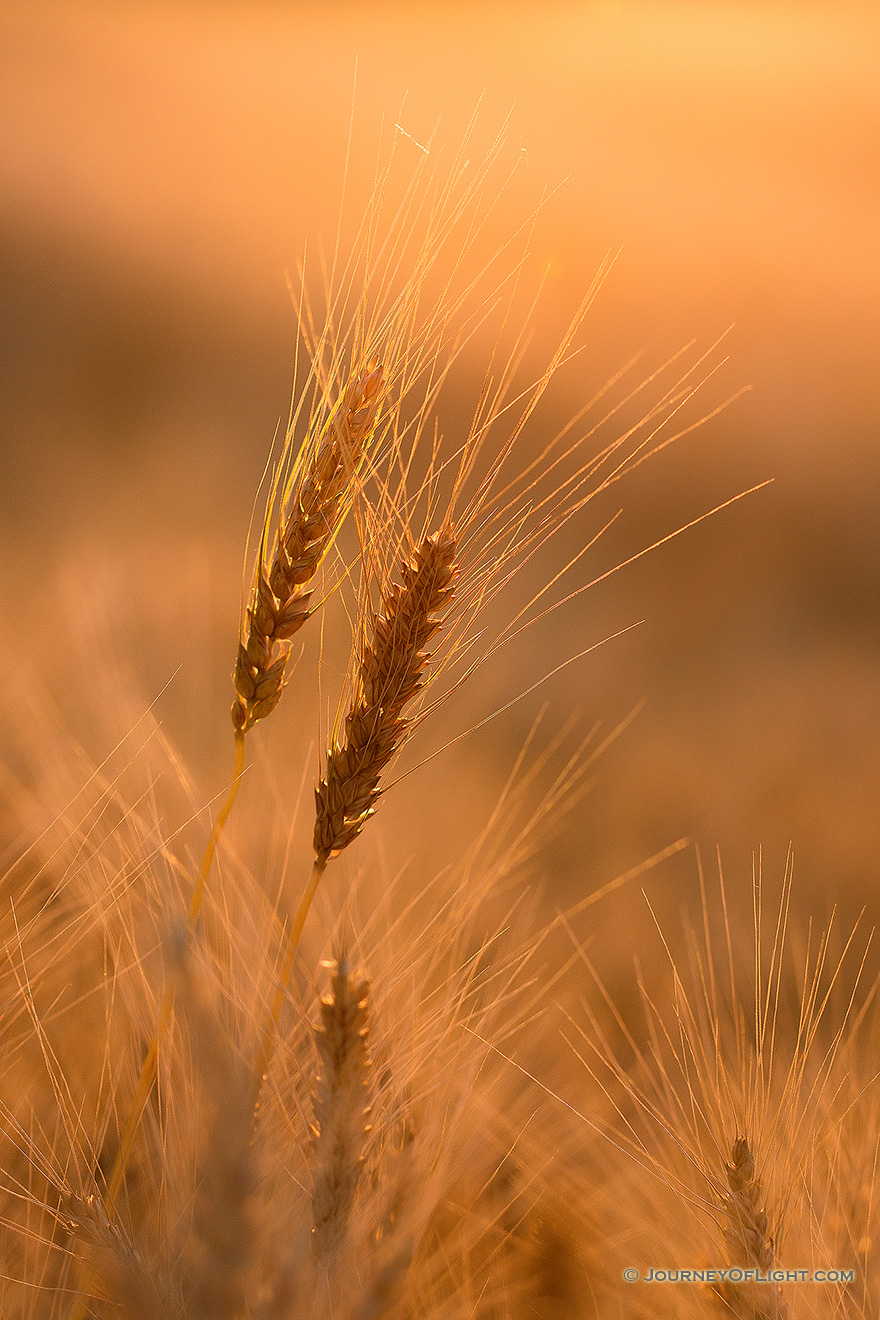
{"x": 267, "y": 1042}
{"x": 198, "y": 894}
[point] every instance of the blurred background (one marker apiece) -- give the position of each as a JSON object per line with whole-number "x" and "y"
{"x": 163, "y": 165}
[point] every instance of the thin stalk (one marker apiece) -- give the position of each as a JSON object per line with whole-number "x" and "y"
{"x": 267, "y": 1043}
{"x": 198, "y": 894}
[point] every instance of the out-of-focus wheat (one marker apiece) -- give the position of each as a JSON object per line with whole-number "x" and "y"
{"x": 748, "y": 1035}
{"x": 341, "y": 1101}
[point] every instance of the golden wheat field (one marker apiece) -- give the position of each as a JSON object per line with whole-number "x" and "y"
{"x": 440, "y": 776}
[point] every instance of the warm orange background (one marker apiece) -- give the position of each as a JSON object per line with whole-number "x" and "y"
{"x": 162, "y": 164}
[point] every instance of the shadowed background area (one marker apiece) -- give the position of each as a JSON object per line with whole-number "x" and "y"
{"x": 161, "y": 166}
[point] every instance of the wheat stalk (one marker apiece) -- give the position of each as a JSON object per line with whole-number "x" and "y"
{"x": 746, "y": 1235}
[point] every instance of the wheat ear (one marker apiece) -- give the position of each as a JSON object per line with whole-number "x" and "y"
{"x": 340, "y": 1106}
{"x": 748, "y": 1240}
{"x": 315, "y": 509}
{"x": 392, "y": 671}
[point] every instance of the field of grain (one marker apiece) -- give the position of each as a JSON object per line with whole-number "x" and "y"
{"x": 439, "y": 582}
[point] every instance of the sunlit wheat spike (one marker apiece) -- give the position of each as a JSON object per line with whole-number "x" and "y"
{"x": 392, "y": 671}
{"x": 748, "y": 1239}
{"x": 746, "y": 1234}
{"x": 340, "y": 1105}
{"x": 309, "y": 521}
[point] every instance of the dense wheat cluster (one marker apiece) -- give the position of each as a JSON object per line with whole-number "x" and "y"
{"x": 222, "y": 1101}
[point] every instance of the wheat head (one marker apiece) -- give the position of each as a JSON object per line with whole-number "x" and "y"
{"x": 392, "y": 672}
{"x": 281, "y": 602}
{"x": 747, "y": 1237}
